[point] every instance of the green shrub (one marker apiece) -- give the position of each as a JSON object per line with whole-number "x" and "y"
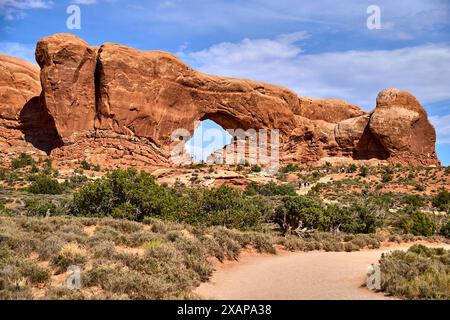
{"x": 419, "y": 224}
{"x": 102, "y": 196}
{"x": 419, "y": 187}
{"x": 442, "y": 200}
{"x": 256, "y": 168}
{"x": 363, "y": 219}
{"x": 41, "y": 208}
{"x": 363, "y": 171}
{"x": 270, "y": 189}
{"x": 386, "y": 177}
{"x": 415, "y": 200}
{"x": 300, "y": 212}
{"x": 306, "y": 212}
{"x": 125, "y": 211}
{"x": 352, "y": 168}
{"x": 24, "y": 160}
{"x": 132, "y": 195}
{"x": 44, "y": 184}
{"x": 223, "y": 206}
{"x": 85, "y": 165}
{"x": 290, "y": 168}
{"x": 4, "y": 211}
{"x": 445, "y": 230}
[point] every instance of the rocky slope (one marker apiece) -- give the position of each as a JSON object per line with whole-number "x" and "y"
{"x": 117, "y": 106}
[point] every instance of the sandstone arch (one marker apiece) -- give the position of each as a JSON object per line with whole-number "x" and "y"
{"x": 118, "y": 106}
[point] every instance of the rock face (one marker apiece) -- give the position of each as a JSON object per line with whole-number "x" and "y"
{"x": 401, "y": 126}
{"x": 118, "y": 106}
{"x": 67, "y": 76}
{"x": 19, "y": 98}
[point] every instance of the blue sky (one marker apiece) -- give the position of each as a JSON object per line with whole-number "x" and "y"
{"x": 319, "y": 48}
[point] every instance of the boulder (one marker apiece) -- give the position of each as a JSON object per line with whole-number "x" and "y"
{"x": 401, "y": 126}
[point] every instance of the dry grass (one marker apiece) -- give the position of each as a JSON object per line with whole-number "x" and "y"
{"x": 419, "y": 273}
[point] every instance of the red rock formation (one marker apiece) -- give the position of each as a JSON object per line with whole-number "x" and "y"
{"x": 67, "y": 76}
{"x": 401, "y": 126}
{"x": 114, "y": 105}
{"x": 19, "y": 93}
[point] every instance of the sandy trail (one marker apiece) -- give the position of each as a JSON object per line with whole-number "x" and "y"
{"x": 298, "y": 276}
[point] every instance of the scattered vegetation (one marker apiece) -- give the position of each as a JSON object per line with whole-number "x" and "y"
{"x": 133, "y": 195}
{"x": 442, "y": 201}
{"x": 136, "y": 239}
{"x": 419, "y": 273}
{"x": 24, "y": 160}
{"x": 44, "y": 184}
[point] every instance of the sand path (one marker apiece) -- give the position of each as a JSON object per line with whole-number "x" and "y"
{"x": 300, "y": 275}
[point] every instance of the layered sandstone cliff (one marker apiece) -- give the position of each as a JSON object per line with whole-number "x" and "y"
{"x": 118, "y": 106}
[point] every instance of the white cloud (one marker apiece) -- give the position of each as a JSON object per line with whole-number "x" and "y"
{"x": 442, "y": 125}
{"x": 356, "y": 76}
{"x": 18, "y": 50}
{"x": 15, "y": 9}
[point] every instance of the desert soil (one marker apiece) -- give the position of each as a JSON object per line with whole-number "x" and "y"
{"x": 298, "y": 276}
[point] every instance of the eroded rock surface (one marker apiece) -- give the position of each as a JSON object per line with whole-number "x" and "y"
{"x": 118, "y": 106}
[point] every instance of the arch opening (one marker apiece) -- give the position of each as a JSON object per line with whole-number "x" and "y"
{"x": 208, "y": 138}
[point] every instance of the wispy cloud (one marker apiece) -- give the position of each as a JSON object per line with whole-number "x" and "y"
{"x": 442, "y": 125}
{"x": 18, "y": 50}
{"x": 15, "y": 9}
{"x": 404, "y": 20}
{"x": 84, "y": 2}
{"x": 356, "y": 76}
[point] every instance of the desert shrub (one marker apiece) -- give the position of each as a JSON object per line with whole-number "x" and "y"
{"x": 270, "y": 189}
{"x": 292, "y": 243}
{"x": 44, "y": 184}
{"x": 70, "y": 254}
{"x": 85, "y": 165}
{"x": 419, "y": 273}
{"x": 419, "y": 187}
{"x": 317, "y": 187}
{"x": 413, "y": 200}
{"x": 17, "y": 275}
{"x": 4, "y": 211}
{"x": 24, "y": 160}
{"x": 442, "y": 200}
{"x": 37, "y": 207}
{"x": 125, "y": 211}
{"x": 363, "y": 171}
{"x": 355, "y": 218}
{"x": 256, "y": 168}
{"x": 352, "y": 168}
{"x": 290, "y": 168}
{"x": 333, "y": 246}
{"x": 300, "y": 212}
{"x": 34, "y": 168}
{"x": 76, "y": 181}
{"x": 418, "y": 223}
{"x": 445, "y": 230}
{"x": 386, "y": 177}
{"x": 305, "y": 212}
{"x": 229, "y": 245}
{"x": 350, "y": 247}
{"x": 120, "y": 187}
{"x": 223, "y": 206}
{"x": 131, "y": 195}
